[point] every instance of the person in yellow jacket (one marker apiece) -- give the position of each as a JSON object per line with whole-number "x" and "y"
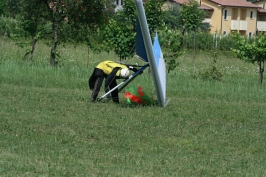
{"x": 111, "y": 71}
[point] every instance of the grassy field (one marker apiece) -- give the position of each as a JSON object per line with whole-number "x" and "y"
{"x": 49, "y": 128}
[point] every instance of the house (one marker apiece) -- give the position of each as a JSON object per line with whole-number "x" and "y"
{"x": 261, "y": 18}
{"x": 261, "y": 3}
{"x": 237, "y": 15}
{"x": 226, "y": 16}
{"x": 207, "y": 9}
{"x": 118, "y": 5}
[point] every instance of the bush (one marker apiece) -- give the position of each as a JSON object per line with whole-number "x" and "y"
{"x": 11, "y": 27}
{"x": 207, "y": 41}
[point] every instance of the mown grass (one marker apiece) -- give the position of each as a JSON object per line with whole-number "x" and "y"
{"x": 49, "y": 127}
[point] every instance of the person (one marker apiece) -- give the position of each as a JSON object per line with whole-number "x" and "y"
{"x": 111, "y": 71}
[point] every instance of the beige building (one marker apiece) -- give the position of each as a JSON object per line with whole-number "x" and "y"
{"x": 261, "y": 18}
{"x": 261, "y": 3}
{"x": 226, "y": 16}
{"x": 118, "y": 5}
{"x": 233, "y": 15}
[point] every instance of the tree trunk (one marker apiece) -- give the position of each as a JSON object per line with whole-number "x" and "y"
{"x": 88, "y": 56}
{"x": 181, "y": 39}
{"x": 3, "y": 45}
{"x": 261, "y": 70}
{"x": 33, "y": 44}
{"x": 54, "y": 45}
{"x": 194, "y": 57}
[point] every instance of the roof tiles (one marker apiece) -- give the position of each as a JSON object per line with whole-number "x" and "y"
{"x": 235, "y": 3}
{"x": 202, "y": 6}
{"x": 181, "y": 1}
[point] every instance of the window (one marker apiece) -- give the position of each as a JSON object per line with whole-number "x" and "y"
{"x": 225, "y": 14}
{"x": 224, "y": 33}
{"x": 119, "y": 2}
{"x": 250, "y": 34}
{"x": 251, "y": 14}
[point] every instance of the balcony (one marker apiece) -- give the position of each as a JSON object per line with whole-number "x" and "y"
{"x": 261, "y": 25}
{"x": 207, "y": 20}
{"x": 239, "y": 25}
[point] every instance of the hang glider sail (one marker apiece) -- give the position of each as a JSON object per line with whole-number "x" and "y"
{"x": 160, "y": 67}
{"x": 140, "y": 47}
{"x": 153, "y": 54}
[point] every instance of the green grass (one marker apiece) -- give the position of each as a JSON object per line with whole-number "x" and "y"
{"x": 49, "y": 127}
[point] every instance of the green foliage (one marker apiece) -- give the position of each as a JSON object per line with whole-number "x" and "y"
{"x": 203, "y": 41}
{"x": 190, "y": 19}
{"x": 31, "y": 16}
{"x": 170, "y": 17}
{"x": 154, "y": 15}
{"x": 12, "y": 28}
{"x": 191, "y": 16}
{"x": 208, "y": 41}
{"x": 3, "y": 8}
{"x": 119, "y": 34}
{"x": 118, "y": 37}
{"x": 212, "y": 72}
{"x": 251, "y": 50}
{"x": 95, "y": 43}
{"x": 68, "y": 21}
{"x": 128, "y": 14}
{"x": 170, "y": 42}
{"x": 225, "y": 43}
{"x": 13, "y": 8}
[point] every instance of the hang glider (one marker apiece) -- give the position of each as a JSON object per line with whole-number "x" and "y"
{"x": 151, "y": 54}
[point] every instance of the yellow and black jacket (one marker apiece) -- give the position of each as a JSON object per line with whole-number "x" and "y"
{"x": 108, "y": 66}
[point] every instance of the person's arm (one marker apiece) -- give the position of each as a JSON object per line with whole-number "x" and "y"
{"x": 110, "y": 78}
{"x": 132, "y": 68}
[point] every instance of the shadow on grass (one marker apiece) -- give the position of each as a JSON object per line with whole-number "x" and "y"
{"x": 125, "y": 104}
{"x": 138, "y": 105}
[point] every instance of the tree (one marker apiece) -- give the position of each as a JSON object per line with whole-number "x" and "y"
{"x": 170, "y": 42}
{"x": 86, "y": 17}
{"x": 154, "y": 14}
{"x": 120, "y": 33}
{"x": 12, "y": 8}
{"x": 86, "y": 20}
{"x": 170, "y": 17}
{"x": 31, "y": 16}
{"x": 64, "y": 20}
{"x": 190, "y": 18}
{"x": 252, "y": 51}
{"x": 56, "y": 14}
{"x": 79, "y": 17}
{"x": 170, "y": 37}
{"x": 3, "y": 7}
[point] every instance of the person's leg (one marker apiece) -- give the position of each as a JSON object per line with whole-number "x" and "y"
{"x": 110, "y": 83}
{"x": 92, "y": 80}
{"x": 115, "y": 92}
{"x": 95, "y": 83}
{"x": 97, "y": 87}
